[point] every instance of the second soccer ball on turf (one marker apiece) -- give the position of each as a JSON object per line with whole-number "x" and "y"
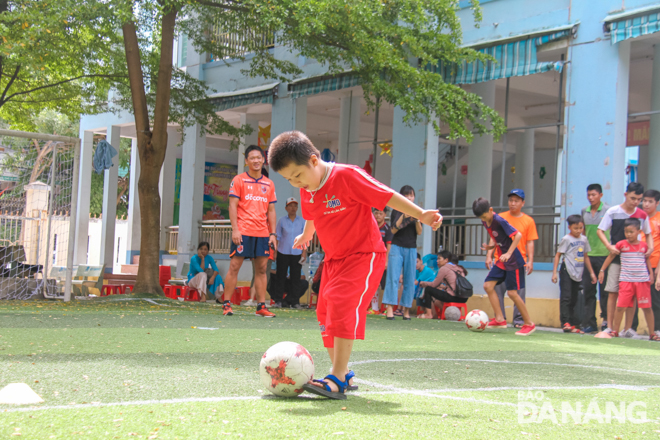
{"x": 285, "y": 368}
{"x": 476, "y": 320}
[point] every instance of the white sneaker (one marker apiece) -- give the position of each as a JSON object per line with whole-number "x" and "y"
{"x": 657, "y": 333}
{"x": 607, "y": 330}
{"x": 249, "y": 303}
{"x": 630, "y": 333}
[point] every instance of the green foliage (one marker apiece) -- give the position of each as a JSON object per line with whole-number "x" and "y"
{"x": 389, "y": 44}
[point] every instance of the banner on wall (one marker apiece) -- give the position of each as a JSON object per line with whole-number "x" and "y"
{"x": 217, "y": 178}
{"x": 638, "y": 133}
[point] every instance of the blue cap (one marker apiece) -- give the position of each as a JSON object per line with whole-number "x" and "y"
{"x": 517, "y": 192}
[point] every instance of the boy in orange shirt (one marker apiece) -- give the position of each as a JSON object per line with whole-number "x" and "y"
{"x": 650, "y": 204}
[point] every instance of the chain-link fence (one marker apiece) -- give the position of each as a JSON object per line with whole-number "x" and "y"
{"x": 38, "y": 198}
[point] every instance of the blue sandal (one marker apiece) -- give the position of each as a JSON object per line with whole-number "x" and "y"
{"x": 349, "y": 376}
{"x": 326, "y": 391}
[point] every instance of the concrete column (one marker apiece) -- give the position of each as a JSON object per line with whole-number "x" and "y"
{"x": 288, "y": 114}
{"x": 252, "y": 139}
{"x": 166, "y": 187}
{"x": 85, "y": 183}
{"x": 480, "y": 154}
{"x": 192, "y": 193}
{"x": 596, "y": 122}
{"x": 415, "y": 163}
{"x": 110, "y": 203}
{"x": 349, "y": 129}
{"x": 524, "y": 177}
{"x": 134, "y": 231}
{"x": 653, "y": 178}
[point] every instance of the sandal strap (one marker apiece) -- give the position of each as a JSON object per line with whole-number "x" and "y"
{"x": 340, "y": 385}
{"x": 350, "y": 375}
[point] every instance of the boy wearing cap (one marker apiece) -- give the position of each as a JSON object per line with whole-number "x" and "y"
{"x": 289, "y": 260}
{"x": 527, "y": 227}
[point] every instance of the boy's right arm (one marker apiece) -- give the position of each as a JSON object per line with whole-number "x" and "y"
{"x": 610, "y": 247}
{"x": 236, "y": 236}
{"x": 489, "y": 254}
{"x": 302, "y": 241}
{"x": 608, "y": 260}
{"x": 554, "y": 267}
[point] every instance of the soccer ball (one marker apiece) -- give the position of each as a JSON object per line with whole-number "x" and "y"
{"x": 476, "y": 320}
{"x": 285, "y": 368}
{"x": 452, "y": 313}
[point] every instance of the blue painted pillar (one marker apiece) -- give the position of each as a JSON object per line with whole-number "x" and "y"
{"x": 415, "y": 163}
{"x": 480, "y": 155}
{"x": 288, "y": 114}
{"x": 596, "y": 118}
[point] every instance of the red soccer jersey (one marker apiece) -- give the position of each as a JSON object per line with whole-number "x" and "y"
{"x": 341, "y": 211}
{"x": 254, "y": 197}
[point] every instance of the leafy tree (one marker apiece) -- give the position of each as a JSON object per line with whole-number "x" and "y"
{"x": 391, "y": 45}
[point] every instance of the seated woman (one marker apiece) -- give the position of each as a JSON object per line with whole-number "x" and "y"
{"x": 444, "y": 285}
{"x": 204, "y": 276}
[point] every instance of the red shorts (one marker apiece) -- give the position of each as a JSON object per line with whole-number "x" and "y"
{"x": 629, "y": 291}
{"x": 347, "y": 286}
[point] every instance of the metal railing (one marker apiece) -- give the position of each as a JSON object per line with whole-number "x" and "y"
{"x": 235, "y": 45}
{"x": 218, "y": 234}
{"x": 465, "y": 239}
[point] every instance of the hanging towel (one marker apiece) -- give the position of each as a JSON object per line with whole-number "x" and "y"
{"x": 103, "y": 156}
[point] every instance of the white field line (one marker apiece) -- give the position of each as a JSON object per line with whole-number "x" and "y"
{"x": 596, "y": 367}
{"x": 593, "y": 387}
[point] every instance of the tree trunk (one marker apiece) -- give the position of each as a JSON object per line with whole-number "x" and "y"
{"x": 151, "y": 146}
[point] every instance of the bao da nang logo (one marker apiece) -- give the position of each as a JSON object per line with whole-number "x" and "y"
{"x": 535, "y": 407}
{"x": 332, "y": 202}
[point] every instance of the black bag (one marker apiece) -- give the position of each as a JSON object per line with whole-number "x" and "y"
{"x": 463, "y": 287}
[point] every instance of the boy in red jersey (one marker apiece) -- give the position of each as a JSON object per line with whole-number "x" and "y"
{"x": 336, "y": 202}
{"x": 634, "y": 281}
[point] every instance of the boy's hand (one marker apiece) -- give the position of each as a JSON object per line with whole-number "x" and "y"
{"x": 554, "y": 277}
{"x": 657, "y": 285}
{"x": 431, "y": 218}
{"x": 301, "y": 242}
{"x": 594, "y": 280}
{"x": 505, "y": 257}
{"x": 236, "y": 237}
{"x": 613, "y": 250}
{"x": 601, "y": 277}
{"x": 489, "y": 261}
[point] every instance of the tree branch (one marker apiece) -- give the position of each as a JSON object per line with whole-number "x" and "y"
{"x": 222, "y": 6}
{"x": 11, "y": 81}
{"x": 136, "y": 79}
{"x": 59, "y": 83}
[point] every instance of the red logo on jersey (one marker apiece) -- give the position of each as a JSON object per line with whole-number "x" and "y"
{"x": 264, "y": 189}
{"x": 332, "y": 202}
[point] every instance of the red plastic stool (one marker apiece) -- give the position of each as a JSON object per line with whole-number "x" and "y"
{"x": 245, "y": 293}
{"x": 312, "y": 296}
{"x": 124, "y": 287}
{"x": 461, "y": 306}
{"x": 190, "y": 294}
{"x": 174, "y": 292}
{"x": 236, "y": 296}
{"x": 111, "y": 289}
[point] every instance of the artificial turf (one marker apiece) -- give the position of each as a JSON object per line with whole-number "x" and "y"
{"x": 170, "y": 370}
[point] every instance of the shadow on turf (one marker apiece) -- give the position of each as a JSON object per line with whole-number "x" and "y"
{"x": 354, "y": 404}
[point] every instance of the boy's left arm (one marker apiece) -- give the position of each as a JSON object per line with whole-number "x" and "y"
{"x": 587, "y": 264}
{"x": 272, "y": 224}
{"x": 426, "y": 216}
{"x": 649, "y": 244}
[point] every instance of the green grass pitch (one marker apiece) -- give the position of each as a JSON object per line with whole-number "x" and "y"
{"x": 131, "y": 368}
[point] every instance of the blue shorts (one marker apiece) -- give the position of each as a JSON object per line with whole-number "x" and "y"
{"x": 251, "y": 247}
{"x": 512, "y": 279}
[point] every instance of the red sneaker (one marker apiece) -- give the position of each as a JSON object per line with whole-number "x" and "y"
{"x": 493, "y": 323}
{"x": 568, "y": 328}
{"x": 265, "y": 313}
{"x": 577, "y": 330}
{"x": 526, "y": 330}
{"x": 226, "y": 310}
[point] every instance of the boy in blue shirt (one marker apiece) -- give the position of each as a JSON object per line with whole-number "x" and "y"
{"x": 509, "y": 267}
{"x": 424, "y": 273}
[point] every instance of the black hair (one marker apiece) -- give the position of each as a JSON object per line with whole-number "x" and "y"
{"x": 252, "y": 148}
{"x": 632, "y": 222}
{"x": 383, "y": 210}
{"x": 635, "y": 187}
{"x": 574, "y": 219}
{"x": 291, "y": 147}
{"x": 445, "y": 254}
{"x": 406, "y": 190}
{"x": 480, "y": 207}
{"x": 419, "y": 257}
{"x": 453, "y": 258}
{"x": 264, "y": 171}
{"x": 202, "y": 244}
{"x": 595, "y": 187}
{"x": 652, "y": 194}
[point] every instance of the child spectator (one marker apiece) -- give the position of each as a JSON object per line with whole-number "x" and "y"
{"x": 424, "y": 274}
{"x": 336, "y": 202}
{"x": 443, "y": 287}
{"x": 509, "y": 267}
{"x": 386, "y": 233}
{"x": 634, "y": 279}
{"x": 650, "y": 204}
{"x": 575, "y": 249}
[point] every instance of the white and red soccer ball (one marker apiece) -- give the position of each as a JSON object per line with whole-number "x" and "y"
{"x": 476, "y": 320}
{"x": 285, "y": 368}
